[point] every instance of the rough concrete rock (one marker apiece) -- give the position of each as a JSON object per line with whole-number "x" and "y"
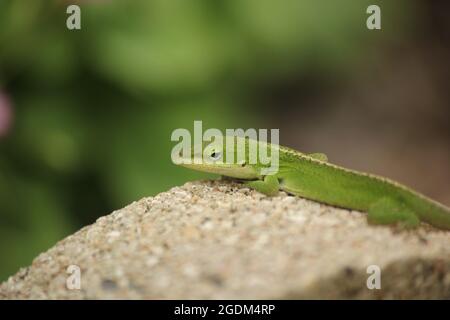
{"x": 221, "y": 240}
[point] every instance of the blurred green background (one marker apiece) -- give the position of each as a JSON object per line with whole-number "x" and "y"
{"x": 86, "y": 115}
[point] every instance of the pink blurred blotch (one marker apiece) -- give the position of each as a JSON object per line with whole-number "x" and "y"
{"x": 6, "y": 114}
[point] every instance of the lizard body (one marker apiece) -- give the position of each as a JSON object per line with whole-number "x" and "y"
{"x": 313, "y": 177}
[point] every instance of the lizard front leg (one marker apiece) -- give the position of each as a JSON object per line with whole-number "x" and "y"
{"x": 269, "y": 186}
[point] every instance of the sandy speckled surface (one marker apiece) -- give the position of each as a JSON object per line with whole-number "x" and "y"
{"x": 221, "y": 240}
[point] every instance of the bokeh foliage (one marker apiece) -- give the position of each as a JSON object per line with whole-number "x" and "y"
{"x": 94, "y": 109}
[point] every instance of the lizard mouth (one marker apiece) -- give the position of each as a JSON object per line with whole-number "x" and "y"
{"x": 231, "y": 170}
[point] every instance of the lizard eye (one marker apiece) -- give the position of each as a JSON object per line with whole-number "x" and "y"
{"x": 216, "y": 155}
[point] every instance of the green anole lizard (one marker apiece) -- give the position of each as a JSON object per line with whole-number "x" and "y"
{"x": 311, "y": 176}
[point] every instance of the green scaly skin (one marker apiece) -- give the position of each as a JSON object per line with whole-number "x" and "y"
{"x": 313, "y": 177}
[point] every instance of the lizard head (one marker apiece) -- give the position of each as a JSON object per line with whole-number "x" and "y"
{"x": 224, "y": 157}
